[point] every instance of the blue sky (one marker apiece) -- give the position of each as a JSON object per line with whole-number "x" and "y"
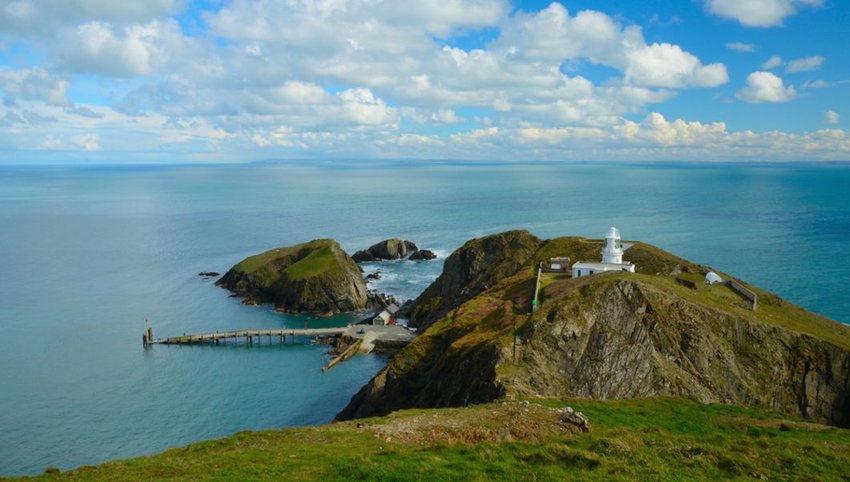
{"x": 141, "y": 81}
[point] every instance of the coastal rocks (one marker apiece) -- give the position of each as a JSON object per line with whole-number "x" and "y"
{"x": 373, "y": 276}
{"x": 423, "y": 254}
{"x": 388, "y": 249}
{"x": 209, "y": 274}
{"x": 317, "y": 277}
{"x": 471, "y": 269}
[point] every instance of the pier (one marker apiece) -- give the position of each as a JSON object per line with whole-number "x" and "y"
{"x": 250, "y": 336}
{"x": 356, "y": 338}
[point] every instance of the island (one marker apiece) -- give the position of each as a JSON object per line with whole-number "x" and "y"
{"x": 317, "y": 277}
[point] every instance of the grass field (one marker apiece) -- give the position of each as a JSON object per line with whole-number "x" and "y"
{"x": 648, "y": 439}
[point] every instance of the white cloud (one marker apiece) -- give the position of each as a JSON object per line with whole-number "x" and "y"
{"x": 88, "y": 142}
{"x": 805, "y": 64}
{"x": 831, "y": 117}
{"x": 741, "y": 47}
{"x": 759, "y": 13}
{"x": 666, "y": 65}
{"x": 553, "y": 35}
{"x": 34, "y": 84}
{"x": 358, "y": 78}
{"x": 95, "y": 47}
{"x": 772, "y": 63}
{"x": 765, "y": 87}
{"x": 815, "y": 84}
{"x": 35, "y": 17}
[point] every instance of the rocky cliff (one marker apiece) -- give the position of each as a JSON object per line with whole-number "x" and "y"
{"x": 316, "y": 277}
{"x": 473, "y": 268}
{"x": 608, "y": 336}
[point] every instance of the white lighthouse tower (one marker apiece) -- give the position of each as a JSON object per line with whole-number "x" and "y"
{"x": 613, "y": 251}
{"x": 612, "y": 258}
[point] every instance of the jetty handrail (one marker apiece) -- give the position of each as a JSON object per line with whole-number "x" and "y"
{"x": 148, "y": 338}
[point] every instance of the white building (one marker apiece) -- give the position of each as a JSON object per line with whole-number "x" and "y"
{"x": 612, "y": 258}
{"x": 712, "y": 278}
{"x": 387, "y": 316}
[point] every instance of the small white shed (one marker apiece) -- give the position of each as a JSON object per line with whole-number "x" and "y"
{"x": 712, "y": 278}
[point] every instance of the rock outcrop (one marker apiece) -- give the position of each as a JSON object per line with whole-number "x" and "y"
{"x": 474, "y": 267}
{"x": 317, "y": 277}
{"x": 423, "y": 254}
{"x": 608, "y": 336}
{"x": 387, "y": 249}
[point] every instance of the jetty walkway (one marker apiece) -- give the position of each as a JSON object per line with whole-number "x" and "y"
{"x": 355, "y": 338}
{"x": 250, "y": 336}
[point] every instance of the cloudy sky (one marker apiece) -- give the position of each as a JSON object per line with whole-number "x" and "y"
{"x": 106, "y": 81}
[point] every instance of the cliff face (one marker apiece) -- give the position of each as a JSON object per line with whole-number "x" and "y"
{"x": 473, "y": 268}
{"x": 316, "y": 277}
{"x": 626, "y": 338}
{"x": 619, "y": 335}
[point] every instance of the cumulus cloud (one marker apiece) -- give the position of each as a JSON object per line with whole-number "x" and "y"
{"x": 759, "y": 13}
{"x": 805, "y": 64}
{"x": 34, "y": 84}
{"x": 773, "y": 62}
{"x": 554, "y": 35}
{"x": 831, "y": 117}
{"x": 765, "y": 87}
{"x": 356, "y": 78}
{"x": 666, "y": 65}
{"x": 33, "y": 17}
{"x": 97, "y": 48}
{"x": 741, "y": 47}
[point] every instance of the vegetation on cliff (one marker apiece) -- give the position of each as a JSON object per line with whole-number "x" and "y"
{"x": 607, "y": 336}
{"x": 315, "y": 277}
{"x": 644, "y": 439}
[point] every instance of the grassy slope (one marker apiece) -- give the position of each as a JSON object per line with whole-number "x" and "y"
{"x": 666, "y": 439}
{"x": 322, "y": 259}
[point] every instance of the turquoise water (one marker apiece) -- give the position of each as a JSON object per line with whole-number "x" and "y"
{"x": 87, "y": 254}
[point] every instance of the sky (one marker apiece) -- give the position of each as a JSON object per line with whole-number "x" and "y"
{"x": 185, "y": 81}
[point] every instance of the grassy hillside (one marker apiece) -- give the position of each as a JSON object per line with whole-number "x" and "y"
{"x": 320, "y": 259}
{"x": 664, "y": 439}
{"x": 660, "y": 268}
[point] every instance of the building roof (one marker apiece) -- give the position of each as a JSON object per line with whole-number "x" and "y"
{"x": 711, "y": 277}
{"x": 591, "y": 264}
{"x": 392, "y": 309}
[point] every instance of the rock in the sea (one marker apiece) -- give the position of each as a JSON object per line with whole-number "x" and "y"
{"x": 387, "y": 249}
{"x": 423, "y": 254}
{"x": 317, "y": 277}
{"x": 209, "y": 274}
{"x": 373, "y": 276}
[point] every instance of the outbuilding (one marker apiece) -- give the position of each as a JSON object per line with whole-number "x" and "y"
{"x": 386, "y": 316}
{"x": 712, "y": 278}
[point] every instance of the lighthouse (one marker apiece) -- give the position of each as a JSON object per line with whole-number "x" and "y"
{"x": 613, "y": 251}
{"x": 612, "y": 258}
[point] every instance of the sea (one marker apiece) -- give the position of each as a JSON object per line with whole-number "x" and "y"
{"x": 91, "y": 255}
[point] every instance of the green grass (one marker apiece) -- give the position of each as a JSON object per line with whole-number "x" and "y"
{"x": 322, "y": 256}
{"x": 661, "y": 439}
{"x": 320, "y": 261}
